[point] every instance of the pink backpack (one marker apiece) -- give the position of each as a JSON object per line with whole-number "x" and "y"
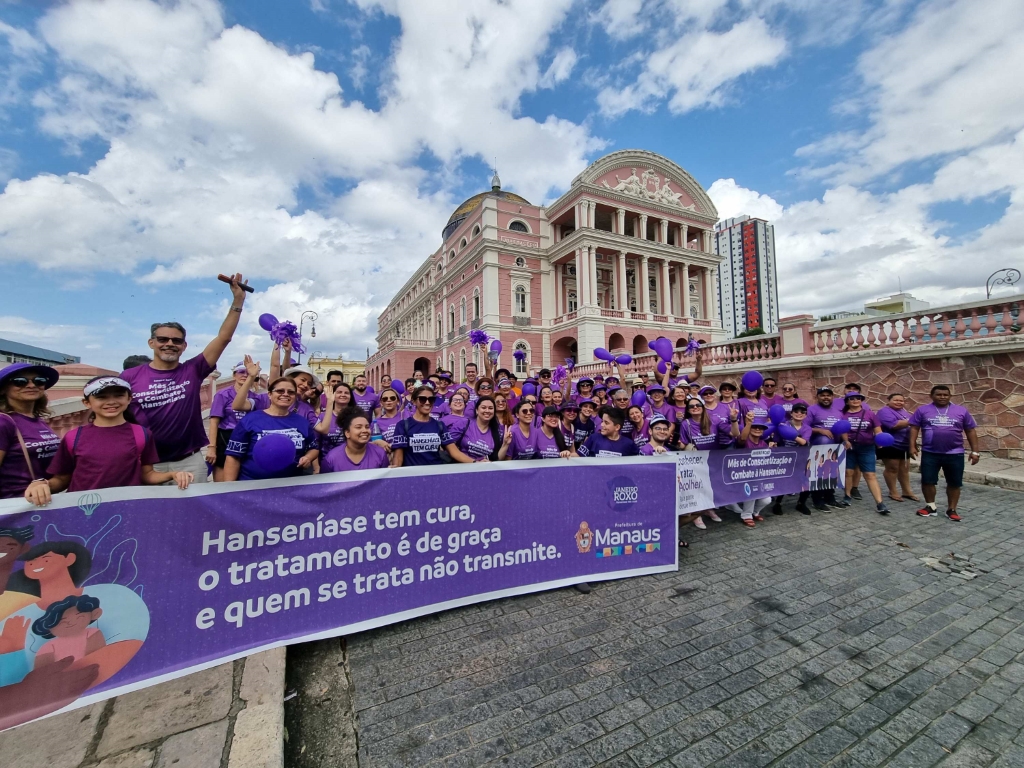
{"x": 138, "y": 432}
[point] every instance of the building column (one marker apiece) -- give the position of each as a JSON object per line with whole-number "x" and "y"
{"x": 643, "y": 286}
{"x": 664, "y": 231}
{"x": 666, "y": 285}
{"x": 558, "y": 232}
{"x": 620, "y": 216}
{"x": 592, "y": 215}
{"x": 621, "y": 289}
{"x": 685, "y": 289}
{"x": 580, "y": 282}
{"x": 558, "y": 290}
{"x": 684, "y": 232}
{"x": 592, "y": 273}
{"x": 713, "y": 279}
{"x": 643, "y": 226}
{"x": 707, "y": 241}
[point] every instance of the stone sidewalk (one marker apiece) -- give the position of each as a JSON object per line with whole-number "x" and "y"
{"x": 808, "y": 641}
{"x": 230, "y": 716}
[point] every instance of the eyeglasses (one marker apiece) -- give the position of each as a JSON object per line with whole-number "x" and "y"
{"x": 22, "y": 381}
{"x": 389, "y": 399}
{"x": 789, "y": 389}
{"x": 289, "y": 392}
{"x": 422, "y": 399}
{"x": 527, "y": 411}
{"x": 175, "y": 340}
{"x": 621, "y": 399}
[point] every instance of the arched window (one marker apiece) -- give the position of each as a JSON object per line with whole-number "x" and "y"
{"x": 463, "y": 243}
{"x": 572, "y": 301}
{"x": 451, "y": 318}
{"x": 476, "y": 303}
{"x": 451, "y": 361}
{"x": 440, "y": 266}
{"x": 439, "y": 329}
{"x": 520, "y": 300}
{"x": 518, "y": 226}
{"x": 476, "y": 230}
{"x": 462, "y": 365}
{"x": 522, "y": 366}
{"x": 462, "y": 311}
{"x": 451, "y": 256}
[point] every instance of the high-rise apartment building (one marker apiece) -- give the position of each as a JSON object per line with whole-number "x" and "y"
{"x": 747, "y": 285}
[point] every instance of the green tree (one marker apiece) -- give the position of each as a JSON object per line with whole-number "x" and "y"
{"x": 751, "y": 332}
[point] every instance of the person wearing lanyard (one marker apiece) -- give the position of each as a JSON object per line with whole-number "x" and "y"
{"x": 27, "y": 444}
{"x": 419, "y": 439}
{"x": 895, "y": 419}
{"x": 860, "y": 447}
{"x": 166, "y": 392}
{"x": 942, "y": 426}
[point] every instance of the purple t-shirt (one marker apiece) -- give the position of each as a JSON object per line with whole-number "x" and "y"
{"x": 168, "y": 403}
{"x": 862, "y": 427}
{"x": 788, "y": 404}
{"x": 642, "y": 434}
{"x": 888, "y": 417}
{"x": 522, "y": 447}
{"x": 690, "y": 434}
{"x": 261, "y": 402}
{"x": 456, "y": 425}
{"x": 105, "y": 457}
{"x": 599, "y": 445}
{"x": 546, "y": 447}
{"x": 665, "y": 409}
{"x": 942, "y": 428}
{"x": 338, "y": 461}
{"x": 475, "y": 443}
{"x": 367, "y": 401}
{"x": 41, "y": 443}
{"x": 421, "y": 441}
{"x": 759, "y": 407}
{"x": 386, "y": 425}
{"x": 256, "y": 425}
{"x": 221, "y": 408}
{"x": 750, "y": 444}
{"x": 803, "y": 431}
{"x": 821, "y": 417}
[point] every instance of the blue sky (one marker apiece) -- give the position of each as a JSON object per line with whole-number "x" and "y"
{"x": 318, "y": 146}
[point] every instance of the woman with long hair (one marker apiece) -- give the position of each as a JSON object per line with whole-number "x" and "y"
{"x": 697, "y": 432}
{"x": 339, "y": 399}
{"x": 483, "y": 437}
{"x": 520, "y": 438}
{"x": 501, "y": 409}
{"x": 356, "y": 451}
{"x": 549, "y": 440}
{"x": 419, "y": 439}
{"x": 640, "y": 434}
{"x": 27, "y": 444}
{"x": 860, "y": 447}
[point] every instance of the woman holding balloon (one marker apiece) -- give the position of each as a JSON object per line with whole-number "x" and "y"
{"x": 895, "y": 449}
{"x": 271, "y": 443}
{"x": 865, "y": 428}
{"x": 751, "y": 399}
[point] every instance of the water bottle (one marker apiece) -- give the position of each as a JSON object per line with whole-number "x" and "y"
{"x": 375, "y": 432}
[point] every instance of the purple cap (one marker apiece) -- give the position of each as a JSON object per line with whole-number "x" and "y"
{"x": 760, "y": 423}
{"x": 706, "y": 389}
{"x": 12, "y": 370}
{"x": 568, "y": 405}
{"x": 655, "y": 388}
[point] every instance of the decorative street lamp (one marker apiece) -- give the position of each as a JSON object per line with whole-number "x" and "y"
{"x": 313, "y": 356}
{"x": 1008, "y": 276}
{"x": 312, "y": 320}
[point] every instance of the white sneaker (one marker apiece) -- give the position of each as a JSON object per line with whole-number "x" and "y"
{"x": 699, "y": 522}
{"x": 714, "y": 516}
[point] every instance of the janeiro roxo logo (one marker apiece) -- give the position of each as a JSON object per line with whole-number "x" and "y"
{"x": 584, "y": 538}
{"x": 623, "y": 493}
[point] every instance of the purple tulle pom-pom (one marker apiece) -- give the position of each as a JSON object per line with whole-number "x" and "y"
{"x": 558, "y": 375}
{"x": 519, "y": 354}
{"x": 691, "y": 347}
{"x": 286, "y": 331}
{"x": 479, "y": 338}
{"x": 569, "y": 363}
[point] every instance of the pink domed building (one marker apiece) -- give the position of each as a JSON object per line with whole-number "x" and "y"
{"x": 561, "y": 280}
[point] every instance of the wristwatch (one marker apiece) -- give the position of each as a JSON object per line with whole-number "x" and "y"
{"x": 975, "y": 453}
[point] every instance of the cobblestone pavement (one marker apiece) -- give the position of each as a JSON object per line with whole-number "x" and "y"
{"x": 808, "y": 641}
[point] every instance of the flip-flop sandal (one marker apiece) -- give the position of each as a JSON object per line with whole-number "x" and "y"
{"x": 900, "y": 498}
{"x": 912, "y": 498}
{"x": 683, "y": 544}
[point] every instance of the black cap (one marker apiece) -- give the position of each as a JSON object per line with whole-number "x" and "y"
{"x": 826, "y": 388}
{"x": 544, "y": 372}
{"x": 550, "y": 410}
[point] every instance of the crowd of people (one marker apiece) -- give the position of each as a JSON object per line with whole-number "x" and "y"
{"x": 146, "y": 425}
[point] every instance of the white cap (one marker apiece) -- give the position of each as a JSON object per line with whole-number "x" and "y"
{"x": 107, "y": 382}
{"x": 303, "y": 369}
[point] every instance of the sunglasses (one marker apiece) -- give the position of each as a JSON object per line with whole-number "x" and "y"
{"x": 22, "y": 381}
{"x": 389, "y": 399}
{"x": 695, "y": 407}
{"x": 176, "y": 340}
{"x": 422, "y": 399}
{"x": 788, "y": 389}
{"x": 527, "y": 411}
{"x": 621, "y": 399}
{"x": 289, "y": 392}
{"x": 486, "y": 386}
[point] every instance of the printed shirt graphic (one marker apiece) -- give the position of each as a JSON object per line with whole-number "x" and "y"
{"x": 257, "y": 425}
{"x": 690, "y": 434}
{"x": 221, "y": 408}
{"x": 862, "y": 427}
{"x": 599, "y": 445}
{"x": 41, "y": 443}
{"x": 889, "y": 417}
{"x": 522, "y": 447}
{"x": 421, "y": 441}
{"x": 942, "y": 429}
{"x": 476, "y": 443}
{"x": 820, "y": 417}
{"x": 546, "y": 447}
{"x": 168, "y": 403}
{"x": 387, "y": 426}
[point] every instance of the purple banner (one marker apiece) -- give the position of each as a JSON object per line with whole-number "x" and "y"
{"x": 109, "y": 591}
{"x": 707, "y": 479}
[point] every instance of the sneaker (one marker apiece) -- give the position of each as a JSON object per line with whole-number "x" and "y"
{"x": 803, "y": 509}
{"x": 714, "y": 516}
{"x": 777, "y": 508}
{"x": 952, "y": 515}
{"x": 582, "y": 587}
{"x": 840, "y": 504}
{"x": 748, "y": 523}
{"x": 821, "y": 507}
{"x": 759, "y": 518}
{"x": 882, "y": 509}
{"x": 927, "y": 512}
{"x": 855, "y": 493}
{"x": 699, "y": 522}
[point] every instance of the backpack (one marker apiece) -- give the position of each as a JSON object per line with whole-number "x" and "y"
{"x": 138, "y": 432}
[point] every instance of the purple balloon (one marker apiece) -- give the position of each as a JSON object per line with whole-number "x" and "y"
{"x": 267, "y": 321}
{"x": 664, "y": 349}
{"x": 496, "y": 347}
{"x": 662, "y": 367}
{"x": 624, "y": 359}
{"x": 787, "y": 431}
{"x": 274, "y": 453}
{"x": 370, "y": 389}
{"x": 398, "y": 386}
{"x": 639, "y": 398}
{"x": 752, "y": 381}
{"x": 529, "y": 389}
{"x": 841, "y": 427}
{"x": 884, "y": 440}
{"x": 777, "y": 414}
{"x": 768, "y": 431}
{"x": 603, "y": 354}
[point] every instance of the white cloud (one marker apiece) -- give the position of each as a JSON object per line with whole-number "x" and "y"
{"x": 560, "y": 69}
{"x": 733, "y": 200}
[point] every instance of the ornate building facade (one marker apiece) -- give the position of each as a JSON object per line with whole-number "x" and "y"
{"x": 624, "y": 256}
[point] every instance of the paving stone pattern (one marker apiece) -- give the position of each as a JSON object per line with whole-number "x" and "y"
{"x": 807, "y": 641}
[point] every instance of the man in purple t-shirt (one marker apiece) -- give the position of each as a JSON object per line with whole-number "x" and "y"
{"x": 166, "y": 393}
{"x": 364, "y": 398}
{"x": 820, "y": 418}
{"x": 942, "y": 426}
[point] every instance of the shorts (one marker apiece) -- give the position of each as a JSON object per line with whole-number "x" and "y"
{"x": 893, "y": 453}
{"x": 861, "y": 457}
{"x": 952, "y": 465}
{"x": 223, "y": 435}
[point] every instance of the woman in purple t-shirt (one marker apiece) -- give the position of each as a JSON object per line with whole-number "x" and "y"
{"x": 860, "y": 447}
{"x": 356, "y": 451}
{"x": 22, "y": 407}
{"x": 483, "y": 436}
{"x": 328, "y": 427}
{"x": 108, "y": 452}
{"x": 519, "y": 443}
{"x": 383, "y": 427}
{"x": 457, "y": 420}
{"x": 895, "y": 419}
{"x": 640, "y": 432}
